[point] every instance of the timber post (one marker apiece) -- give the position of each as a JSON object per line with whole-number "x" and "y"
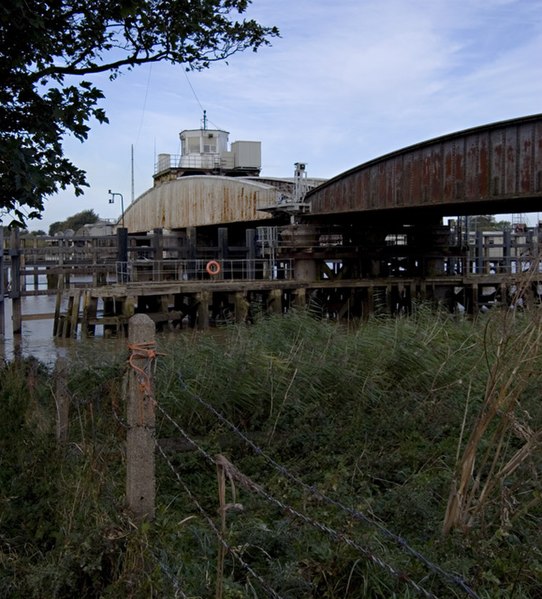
{"x": 2, "y": 288}
{"x": 274, "y": 301}
{"x": 57, "y": 325}
{"x": 222, "y": 252}
{"x": 122, "y": 255}
{"x": 300, "y": 297}
{"x": 242, "y": 307}
{"x": 250, "y": 240}
{"x": 141, "y": 419}
{"x": 202, "y": 314}
{"x": 157, "y": 244}
{"x": 15, "y": 291}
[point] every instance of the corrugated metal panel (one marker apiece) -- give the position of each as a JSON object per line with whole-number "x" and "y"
{"x": 498, "y": 164}
{"x": 199, "y": 201}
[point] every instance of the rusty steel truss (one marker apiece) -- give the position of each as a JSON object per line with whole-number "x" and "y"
{"x": 491, "y": 169}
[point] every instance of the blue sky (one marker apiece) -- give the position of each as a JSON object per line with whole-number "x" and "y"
{"x": 348, "y": 81}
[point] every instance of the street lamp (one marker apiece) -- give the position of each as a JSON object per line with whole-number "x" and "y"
{"x": 112, "y": 201}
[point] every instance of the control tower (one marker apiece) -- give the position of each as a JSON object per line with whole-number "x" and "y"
{"x": 205, "y": 152}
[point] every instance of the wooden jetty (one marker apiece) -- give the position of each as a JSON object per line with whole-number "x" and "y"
{"x": 99, "y": 283}
{"x": 199, "y": 305}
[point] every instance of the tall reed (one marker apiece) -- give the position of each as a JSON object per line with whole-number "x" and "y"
{"x": 501, "y": 438}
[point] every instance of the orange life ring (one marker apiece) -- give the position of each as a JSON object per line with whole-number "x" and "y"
{"x": 213, "y": 268}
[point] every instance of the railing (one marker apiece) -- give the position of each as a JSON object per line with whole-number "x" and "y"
{"x": 191, "y": 161}
{"x": 204, "y": 270}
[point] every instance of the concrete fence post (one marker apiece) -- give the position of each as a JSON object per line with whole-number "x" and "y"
{"x": 140, "y": 439}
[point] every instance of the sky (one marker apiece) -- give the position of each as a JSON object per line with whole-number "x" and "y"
{"x": 347, "y": 81}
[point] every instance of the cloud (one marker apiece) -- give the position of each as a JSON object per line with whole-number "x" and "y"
{"x": 347, "y": 82}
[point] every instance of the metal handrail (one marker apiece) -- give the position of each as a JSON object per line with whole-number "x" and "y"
{"x": 198, "y": 270}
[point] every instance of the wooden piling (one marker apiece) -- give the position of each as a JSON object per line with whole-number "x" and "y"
{"x": 203, "y": 310}
{"x": 2, "y": 288}
{"x": 15, "y": 291}
{"x": 57, "y": 328}
{"x": 90, "y": 309}
{"x": 474, "y": 299}
{"x": 141, "y": 419}
{"x": 241, "y": 307}
{"x": 65, "y": 331}
{"x": 300, "y": 297}
{"x": 274, "y": 301}
{"x": 74, "y": 314}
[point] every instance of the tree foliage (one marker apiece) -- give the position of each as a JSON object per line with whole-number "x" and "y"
{"x": 48, "y": 48}
{"x": 74, "y": 222}
{"x": 487, "y": 222}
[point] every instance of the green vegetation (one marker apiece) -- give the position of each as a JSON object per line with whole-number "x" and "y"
{"x": 390, "y": 419}
{"x": 74, "y": 222}
{"x": 487, "y": 222}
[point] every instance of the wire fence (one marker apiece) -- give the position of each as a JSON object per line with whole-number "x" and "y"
{"x": 233, "y": 552}
{"x": 141, "y": 442}
{"x": 336, "y": 536}
{"x": 313, "y": 490}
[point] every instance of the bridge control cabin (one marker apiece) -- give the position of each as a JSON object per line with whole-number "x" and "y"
{"x": 207, "y": 151}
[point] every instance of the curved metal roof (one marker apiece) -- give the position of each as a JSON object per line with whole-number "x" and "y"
{"x": 488, "y": 169}
{"x": 199, "y": 201}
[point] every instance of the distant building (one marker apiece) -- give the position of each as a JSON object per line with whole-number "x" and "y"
{"x": 100, "y": 228}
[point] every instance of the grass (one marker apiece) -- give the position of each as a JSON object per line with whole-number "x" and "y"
{"x": 386, "y": 418}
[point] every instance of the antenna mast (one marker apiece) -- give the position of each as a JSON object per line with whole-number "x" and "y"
{"x": 204, "y": 120}
{"x": 132, "y": 164}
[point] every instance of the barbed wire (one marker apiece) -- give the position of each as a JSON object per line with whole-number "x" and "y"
{"x": 174, "y": 581}
{"x": 250, "y": 485}
{"x": 267, "y": 588}
{"x": 453, "y": 578}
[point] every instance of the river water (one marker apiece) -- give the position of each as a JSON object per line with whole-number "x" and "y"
{"x": 37, "y": 336}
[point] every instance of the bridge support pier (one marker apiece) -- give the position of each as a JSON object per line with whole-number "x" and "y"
{"x": 305, "y": 270}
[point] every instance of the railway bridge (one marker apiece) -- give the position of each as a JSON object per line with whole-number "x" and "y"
{"x": 390, "y": 211}
{"x": 371, "y": 238}
{"x": 212, "y": 239}
{"x": 490, "y": 169}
